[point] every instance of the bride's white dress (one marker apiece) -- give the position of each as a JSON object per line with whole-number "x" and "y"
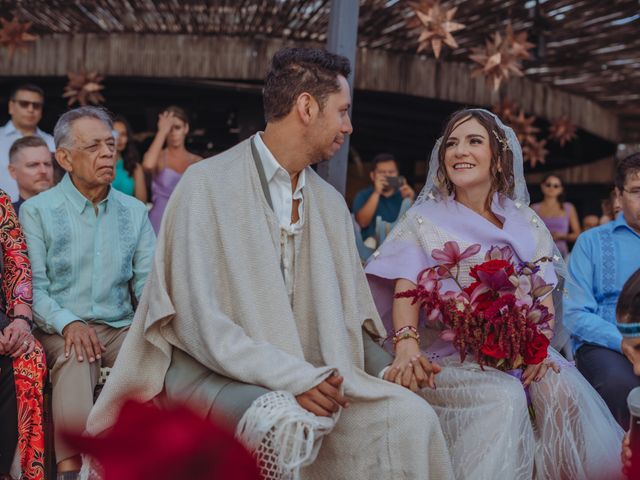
{"x": 490, "y": 435}
{"x": 484, "y": 413}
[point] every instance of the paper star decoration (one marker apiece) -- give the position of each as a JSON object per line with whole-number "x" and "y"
{"x": 437, "y": 26}
{"x": 562, "y": 130}
{"x": 15, "y": 35}
{"x": 534, "y": 151}
{"x": 84, "y": 88}
{"x": 507, "y": 110}
{"x": 518, "y": 44}
{"x": 524, "y": 128}
{"x": 501, "y": 56}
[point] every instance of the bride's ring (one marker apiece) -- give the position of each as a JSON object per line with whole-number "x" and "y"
{"x": 25, "y": 343}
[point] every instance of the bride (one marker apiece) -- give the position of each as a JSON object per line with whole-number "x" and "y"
{"x": 476, "y": 194}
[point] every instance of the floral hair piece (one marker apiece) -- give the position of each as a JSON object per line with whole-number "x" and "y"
{"x": 503, "y": 141}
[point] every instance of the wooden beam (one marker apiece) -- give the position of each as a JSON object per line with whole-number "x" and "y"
{"x": 343, "y": 32}
{"x": 246, "y": 59}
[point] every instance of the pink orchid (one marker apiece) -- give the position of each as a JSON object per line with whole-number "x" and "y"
{"x": 429, "y": 280}
{"x": 499, "y": 253}
{"x": 523, "y": 291}
{"x": 450, "y": 255}
{"x": 539, "y": 287}
{"x": 448, "y": 335}
{"x": 434, "y": 317}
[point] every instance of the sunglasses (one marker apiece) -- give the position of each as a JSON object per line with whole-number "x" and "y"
{"x": 553, "y": 185}
{"x": 26, "y": 103}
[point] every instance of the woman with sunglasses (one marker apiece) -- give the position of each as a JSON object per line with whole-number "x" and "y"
{"x": 559, "y": 216}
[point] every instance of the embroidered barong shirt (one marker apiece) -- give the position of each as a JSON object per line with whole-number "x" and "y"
{"x": 601, "y": 261}
{"x": 83, "y": 262}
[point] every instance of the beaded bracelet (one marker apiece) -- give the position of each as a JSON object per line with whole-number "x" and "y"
{"x": 408, "y": 331}
{"x": 23, "y": 317}
{"x": 396, "y": 334}
{"x": 404, "y": 336}
{"x": 406, "y": 328}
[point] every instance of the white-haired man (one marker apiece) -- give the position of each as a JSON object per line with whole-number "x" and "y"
{"x": 90, "y": 246}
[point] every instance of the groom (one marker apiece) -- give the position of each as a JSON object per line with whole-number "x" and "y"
{"x": 266, "y": 293}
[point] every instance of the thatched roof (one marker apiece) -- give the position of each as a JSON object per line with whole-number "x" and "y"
{"x": 591, "y": 47}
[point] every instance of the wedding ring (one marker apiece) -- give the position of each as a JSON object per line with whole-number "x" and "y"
{"x": 25, "y": 343}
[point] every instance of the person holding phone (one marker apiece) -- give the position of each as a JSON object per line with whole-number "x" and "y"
{"x": 384, "y": 197}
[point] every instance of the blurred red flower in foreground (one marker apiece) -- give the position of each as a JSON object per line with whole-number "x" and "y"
{"x": 147, "y": 442}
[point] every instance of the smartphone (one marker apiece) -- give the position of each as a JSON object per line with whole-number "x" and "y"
{"x": 396, "y": 182}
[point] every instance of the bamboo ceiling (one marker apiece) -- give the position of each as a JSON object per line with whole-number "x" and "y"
{"x": 592, "y": 47}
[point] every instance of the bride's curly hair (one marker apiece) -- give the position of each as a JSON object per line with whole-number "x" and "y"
{"x": 501, "y": 159}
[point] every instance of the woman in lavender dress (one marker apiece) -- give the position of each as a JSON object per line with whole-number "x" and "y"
{"x": 476, "y": 194}
{"x": 559, "y": 216}
{"x": 167, "y": 159}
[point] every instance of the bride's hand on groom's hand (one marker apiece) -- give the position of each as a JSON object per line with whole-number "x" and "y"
{"x": 411, "y": 369}
{"x": 535, "y": 373}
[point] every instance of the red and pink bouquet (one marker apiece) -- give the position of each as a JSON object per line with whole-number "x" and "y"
{"x": 499, "y": 318}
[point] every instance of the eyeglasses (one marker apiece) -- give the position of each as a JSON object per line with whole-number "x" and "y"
{"x": 634, "y": 192}
{"x": 553, "y": 185}
{"x": 26, "y": 104}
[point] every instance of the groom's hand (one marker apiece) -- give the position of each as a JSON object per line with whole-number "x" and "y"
{"x": 325, "y": 398}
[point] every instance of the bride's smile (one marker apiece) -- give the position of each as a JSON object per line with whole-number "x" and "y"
{"x": 468, "y": 155}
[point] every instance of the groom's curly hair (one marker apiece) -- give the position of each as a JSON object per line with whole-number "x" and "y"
{"x": 501, "y": 169}
{"x": 295, "y": 71}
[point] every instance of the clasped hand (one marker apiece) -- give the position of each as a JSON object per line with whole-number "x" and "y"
{"x": 16, "y": 340}
{"x": 411, "y": 368}
{"x": 325, "y": 398}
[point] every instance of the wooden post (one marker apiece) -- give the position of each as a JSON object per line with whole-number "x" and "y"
{"x": 343, "y": 33}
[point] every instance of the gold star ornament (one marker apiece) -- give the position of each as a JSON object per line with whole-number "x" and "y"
{"x": 437, "y": 26}
{"x": 15, "y": 35}
{"x": 84, "y": 88}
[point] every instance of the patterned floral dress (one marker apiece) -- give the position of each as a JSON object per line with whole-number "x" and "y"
{"x": 30, "y": 370}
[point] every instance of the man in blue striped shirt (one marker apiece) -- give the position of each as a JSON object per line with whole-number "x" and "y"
{"x": 601, "y": 261}
{"x": 90, "y": 248}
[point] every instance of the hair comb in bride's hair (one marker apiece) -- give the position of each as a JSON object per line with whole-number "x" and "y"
{"x": 503, "y": 141}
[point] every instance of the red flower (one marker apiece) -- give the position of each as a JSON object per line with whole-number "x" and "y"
{"x": 491, "y": 267}
{"x": 535, "y": 351}
{"x": 491, "y": 347}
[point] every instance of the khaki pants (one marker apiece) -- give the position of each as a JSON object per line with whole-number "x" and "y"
{"x": 73, "y": 381}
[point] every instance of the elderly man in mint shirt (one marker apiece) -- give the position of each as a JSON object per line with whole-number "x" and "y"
{"x": 602, "y": 259}
{"x": 90, "y": 248}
